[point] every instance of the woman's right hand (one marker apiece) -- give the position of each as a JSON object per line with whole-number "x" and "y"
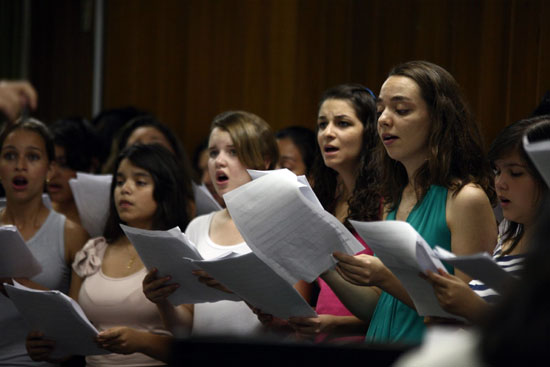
{"x": 38, "y": 348}
{"x": 155, "y": 289}
{"x": 208, "y": 280}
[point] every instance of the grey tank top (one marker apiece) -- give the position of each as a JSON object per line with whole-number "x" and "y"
{"x": 48, "y": 246}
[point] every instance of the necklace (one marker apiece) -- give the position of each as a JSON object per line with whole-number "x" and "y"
{"x": 132, "y": 259}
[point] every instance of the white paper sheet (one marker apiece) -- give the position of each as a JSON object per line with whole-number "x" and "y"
{"x": 539, "y": 152}
{"x": 169, "y": 252}
{"x": 16, "y": 260}
{"x": 286, "y": 229}
{"x": 406, "y": 254}
{"x": 255, "y": 282}
{"x": 91, "y": 196}
{"x": 59, "y": 317}
{"x": 479, "y": 266}
{"x": 204, "y": 201}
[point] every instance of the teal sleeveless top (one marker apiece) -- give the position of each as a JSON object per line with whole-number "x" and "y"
{"x": 393, "y": 321}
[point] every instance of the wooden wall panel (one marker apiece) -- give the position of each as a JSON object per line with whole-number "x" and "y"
{"x": 524, "y": 63}
{"x": 61, "y": 58}
{"x": 186, "y": 61}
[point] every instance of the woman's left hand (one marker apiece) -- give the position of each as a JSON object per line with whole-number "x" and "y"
{"x": 205, "y": 278}
{"x": 364, "y": 270}
{"x": 121, "y": 339}
{"x": 454, "y": 295}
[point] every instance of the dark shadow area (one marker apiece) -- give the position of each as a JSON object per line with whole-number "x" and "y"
{"x": 247, "y": 352}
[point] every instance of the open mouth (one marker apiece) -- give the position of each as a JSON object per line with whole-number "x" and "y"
{"x": 330, "y": 149}
{"x": 19, "y": 182}
{"x": 221, "y": 178}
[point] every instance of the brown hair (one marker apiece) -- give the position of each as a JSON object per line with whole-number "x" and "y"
{"x": 38, "y": 127}
{"x": 509, "y": 141}
{"x": 455, "y": 146}
{"x": 252, "y": 136}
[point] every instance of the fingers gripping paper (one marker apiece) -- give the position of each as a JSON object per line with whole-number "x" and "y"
{"x": 59, "y": 317}
{"x": 406, "y": 254}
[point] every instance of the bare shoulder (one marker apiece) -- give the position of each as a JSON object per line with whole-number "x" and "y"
{"x": 470, "y": 198}
{"x": 75, "y": 238}
{"x": 471, "y": 220}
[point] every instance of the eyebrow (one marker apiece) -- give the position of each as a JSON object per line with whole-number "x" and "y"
{"x": 323, "y": 117}
{"x": 26, "y": 148}
{"x": 138, "y": 174}
{"x": 514, "y": 164}
{"x": 395, "y": 99}
{"x": 141, "y": 174}
{"x": 227, "y": 146}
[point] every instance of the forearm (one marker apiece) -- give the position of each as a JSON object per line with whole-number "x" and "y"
{"x": 177, "y": 319}
{"x": 475, "y": 309}
{"x": 394, "y": 287}
{"x": 345, "y": 325}
{"x": 156, "y": 346}
{"x": 359, "y": 300}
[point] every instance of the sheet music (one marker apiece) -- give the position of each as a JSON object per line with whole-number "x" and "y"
{"x": 204, "y": 201}
{"x": 479, "y": 266}
{"x": 59, "y": 317}
{"x": 397, "y": 244}
{"x": 255, "y": 282}
{"x": 170, "y": 252}
{"x": 91, "y": 195}
{"x": 16, "y": 259}
{"x": 539, "y": 152}
{"x": 285, "y": 228}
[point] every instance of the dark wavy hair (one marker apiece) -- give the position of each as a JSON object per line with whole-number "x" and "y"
{"x": 509, "y": 141}
{"x": 455, "y": 145}
{"x": 77, "y": 136}
{"x": 170, "y": 195}
{"x": 364, "y": 203}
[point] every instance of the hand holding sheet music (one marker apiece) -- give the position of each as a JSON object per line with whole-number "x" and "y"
{"x": 257, "y": 284}
{"x": 480, "y": 266}
{"x": 172, "y": 254}
{"x": 246, "y": 276}
{"x": 406, "y": 254}
{"x": 59, "y": 317}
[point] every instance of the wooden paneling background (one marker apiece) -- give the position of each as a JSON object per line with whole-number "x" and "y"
{"x": 186, "y": 61}
{"x": 61, "y": 57}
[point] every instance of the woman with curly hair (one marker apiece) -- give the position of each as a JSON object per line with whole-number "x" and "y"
{"x": 343, "y": 182}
